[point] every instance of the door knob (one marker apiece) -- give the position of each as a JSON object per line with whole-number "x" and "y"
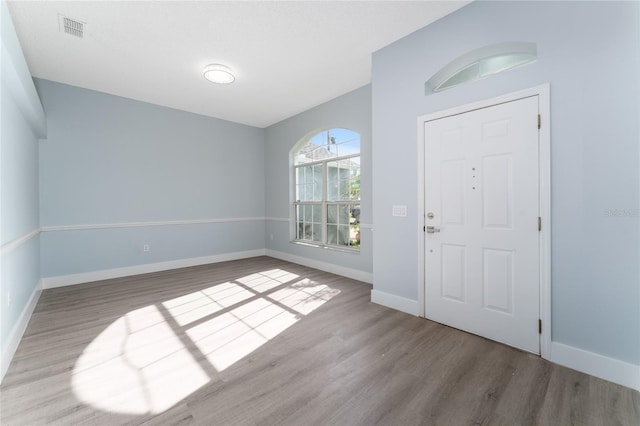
{"x": 432, "y": 229}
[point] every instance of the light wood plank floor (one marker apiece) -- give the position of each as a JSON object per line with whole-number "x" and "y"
{"x": 262, "y": 341}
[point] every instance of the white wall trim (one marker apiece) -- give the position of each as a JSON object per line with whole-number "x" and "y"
{"x": 597, "y": 365}
{"x": 141, "y": 224}
{"x": 277, "y": 219}
{"x": 285, "y": 219}
{"x": 355, "y": 274}
{"x": 16, "y": 333}
{"x": 543, "y": 93}
{"x": 12, "y": 245}
{"x": 392, "y": 301}
{"x": 544, "y": 205}
{"x": 105, "y": 274}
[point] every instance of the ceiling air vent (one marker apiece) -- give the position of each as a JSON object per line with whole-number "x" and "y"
{"x": 72, "y": 26}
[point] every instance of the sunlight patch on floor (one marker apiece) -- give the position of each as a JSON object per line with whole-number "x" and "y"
{"x": 153, "y": 357}
{"x": 232, "y": 336}
{"x": 304, "y": 296}
{"x": 136, "y": 366}
{"x": 192, "y": 307}
{"x": 266, "y": 280}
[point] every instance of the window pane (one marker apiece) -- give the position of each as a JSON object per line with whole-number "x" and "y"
{"x": 354, "y": 210}
{"x": 317, "y": 213}
{"x": 307, "y": 231}
{"x": 299, "y": 229}
{"x": 308, "y": 213}
{"x": 343, "y": 235}
{"x": 317, "y": 182}
{"x": 343, "y": 215}
{"x": 342, "y": 136}
{"x": 332, "y": 234}
{"x": 308, "y": 174}
{"x": 332, "y": 213}
{"x": 321, "y": 154}
{"x": 354, "y": 182}
{"x": 309, "y": 192}
{"x": 349, "y": 148}
{"x": 317, "y": 232}
{"x": 303, "y": 172}
{"x": 354, "y": 225}
{"x": 299, "y": 176}
{"x": 354, "y": 236}
{"x": 344, "y": 170}
{"x": 345, "y": 193}
{"x": 300, "y": 192}
{"x": 345, "y": 176}
{"x": 301, "y": 158}
{"x": 332, "y": 181}
{"x": 319, "y": 140}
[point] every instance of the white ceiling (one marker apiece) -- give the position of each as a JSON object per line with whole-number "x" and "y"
{"x": 288, "y": 56}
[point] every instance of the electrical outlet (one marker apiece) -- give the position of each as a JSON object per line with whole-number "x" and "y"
{"x": 146, "y": 247}
{"x": 9, "y": 299}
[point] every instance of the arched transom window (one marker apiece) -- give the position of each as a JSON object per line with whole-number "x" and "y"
{"x": 326, "y": 206}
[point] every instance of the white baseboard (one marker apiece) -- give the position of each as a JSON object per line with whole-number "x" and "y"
{"x": 355, "y": 274}
{"x": 395, "y": 302}
{"x": 597, "y": 365}
{"x": 611, "y": 369}
{"x": 18, "y": 330}
{"x": 86, "y": 277}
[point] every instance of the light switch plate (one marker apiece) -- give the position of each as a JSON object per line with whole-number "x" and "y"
{"x": 400, "y": 211}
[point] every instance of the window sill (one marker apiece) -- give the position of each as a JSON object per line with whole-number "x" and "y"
{"x": 326, "y": 247}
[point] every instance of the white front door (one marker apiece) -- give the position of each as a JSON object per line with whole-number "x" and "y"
{"x": 481, "y": 202}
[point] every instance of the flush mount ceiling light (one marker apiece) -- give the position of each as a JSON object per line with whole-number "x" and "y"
{"x": 219, "y": 74}
{"x": 481, "y": 63}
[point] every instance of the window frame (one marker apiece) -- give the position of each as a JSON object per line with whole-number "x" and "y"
{"x": 324, "y": 202}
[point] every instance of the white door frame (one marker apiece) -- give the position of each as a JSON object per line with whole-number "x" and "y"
{"x": 544, "y": 202}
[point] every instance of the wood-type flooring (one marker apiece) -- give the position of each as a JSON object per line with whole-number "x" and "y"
{"x": 265, "y": 342}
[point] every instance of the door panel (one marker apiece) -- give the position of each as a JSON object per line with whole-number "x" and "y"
{"x": 498, "y": 280}
{"x": 497, "y": 189}
{"x": 452, "y": 172}
{"x": 481, "y": 184}
{"x": 453, "y": 270}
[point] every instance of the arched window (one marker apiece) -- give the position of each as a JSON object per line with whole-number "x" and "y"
{"x": 481, "y": 63}
{"x": 326, "y": 187}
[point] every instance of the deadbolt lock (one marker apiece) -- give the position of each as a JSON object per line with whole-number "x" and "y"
{"x": 430, "y": 215}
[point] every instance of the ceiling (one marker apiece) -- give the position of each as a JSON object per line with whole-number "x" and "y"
{"x": 288, "y": 56}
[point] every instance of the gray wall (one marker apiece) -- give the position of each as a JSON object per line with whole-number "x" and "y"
{"x": 351, "y": 111}
{"x": 19, "y": 189}
{"x": 589, "y": 52}
{"x": 110, "y": 160}
{"x": 22, "y": 122}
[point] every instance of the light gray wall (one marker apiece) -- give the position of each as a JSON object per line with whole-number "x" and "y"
{"x": 111, "y": 160}
{"x": 351, "y": 111}
{"x": 22, "y": 121}
{"x": 19, "y": 199}
{"x": 589, "y": 52}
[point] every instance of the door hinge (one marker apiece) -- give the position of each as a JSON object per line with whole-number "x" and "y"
{"x": 539, "y": 121}
{"x": 424, "y": 229}
{"x": 539, "y": 223}
{"x": 539, "y": 326}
